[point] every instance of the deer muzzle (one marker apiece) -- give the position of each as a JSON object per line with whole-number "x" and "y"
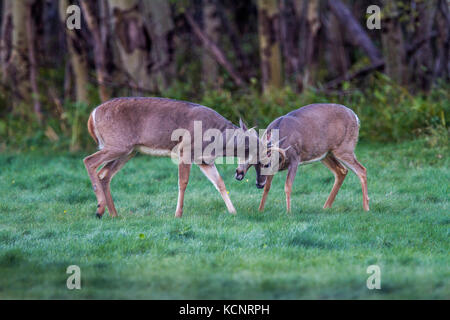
{"x": 239, "y": 175}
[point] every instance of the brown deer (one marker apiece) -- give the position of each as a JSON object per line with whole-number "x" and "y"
{"x": 123, "y": 126}
{"x": 317, "y": 132}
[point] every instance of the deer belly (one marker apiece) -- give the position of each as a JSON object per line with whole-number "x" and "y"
{"x": 314, "y": 159}
{"x": 154, "y": 151}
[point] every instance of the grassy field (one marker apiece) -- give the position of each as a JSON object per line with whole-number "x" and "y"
{"x": 47, "y": 223}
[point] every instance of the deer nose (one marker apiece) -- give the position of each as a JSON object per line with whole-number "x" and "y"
{"x": 239, "y": 175}
{"x": 260, "y": 186}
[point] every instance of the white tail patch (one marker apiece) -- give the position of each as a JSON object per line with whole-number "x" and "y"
{"x": 154, "y": 151}
{"x": 101, "y": 143}
{"x": 357, "y": 119}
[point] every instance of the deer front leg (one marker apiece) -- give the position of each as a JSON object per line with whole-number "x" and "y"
{"x": 183, "y": 179}
{"x": 292, "y": 171}
{"x": 265, "y": 193}
{"x": 213, "y": 175}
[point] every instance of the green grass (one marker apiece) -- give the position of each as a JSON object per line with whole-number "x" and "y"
{"x": 47, "y": 223}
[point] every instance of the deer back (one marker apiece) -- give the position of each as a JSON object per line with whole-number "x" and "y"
{"x": 150, "y": 122}
{"x": 314, "y": 130}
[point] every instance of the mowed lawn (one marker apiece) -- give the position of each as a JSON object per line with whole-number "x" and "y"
{"x": 47, "y": 223}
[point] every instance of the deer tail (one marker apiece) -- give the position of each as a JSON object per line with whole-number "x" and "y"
{"x": 91, "y": 128}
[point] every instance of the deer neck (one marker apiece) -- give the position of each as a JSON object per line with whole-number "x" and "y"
{"x": 235, "y": 143}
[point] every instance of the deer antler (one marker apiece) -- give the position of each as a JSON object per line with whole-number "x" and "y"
{"x": 282, "y": 152}
{"x": 274, "y": 146}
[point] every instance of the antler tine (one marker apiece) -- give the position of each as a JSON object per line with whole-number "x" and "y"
{"x": 282, "y": 153}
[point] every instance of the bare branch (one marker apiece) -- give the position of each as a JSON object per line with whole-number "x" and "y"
{"x": 215, "y": 51}
{"x": 355, "y": 30}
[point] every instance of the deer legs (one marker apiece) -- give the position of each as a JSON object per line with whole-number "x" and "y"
{"x": 115, "y": 159}
{"x": 340, "y": 172}
{"x": 210, "y": 171}
{"x": 292, "y": 171}
{"x": 265, "y": 193}
{"x": 337, "y": 163}
{"x": 183, "y": 179}
{"x": 349, "y": 160}
{"x": 106, "y": 174}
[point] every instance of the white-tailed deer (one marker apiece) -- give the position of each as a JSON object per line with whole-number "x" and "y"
{"x": 123, "y": 126}
{"x": 317, "y": 132}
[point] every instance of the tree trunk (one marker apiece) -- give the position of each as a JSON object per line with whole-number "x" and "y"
{"x": 30, "y": 27}
{"x": 337, "y": 58}
{"x": 393, "y": 45}
{"x": 77, "y": 54}
{"x": 18, "y": 67}
{"x": 305, "y": 46}
{"x": 50, "y": 38}
{"x": 230, "y": 28}
{"x": 6, "y": 37}
{"x": 301, "y": 11}
{"x": 99, "y": 48}
{"x": 215, "y": 51}
{"x": 442, "y": 64}
{"x": 354, "y": 30}
{"x": 289, "y": 40}
{"x": 311, "y": 53}
{"x": 422, "y": 60}
{"x": 133, "y": 43}
{"x": 211, "y": 24}
{"x": 161, "y": 29}
{"x": 269, "y": 45}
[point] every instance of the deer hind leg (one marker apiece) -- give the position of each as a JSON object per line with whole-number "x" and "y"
{"x": 106, "y": 174}
{"x": 340, "y": 172}
{"x": 92, "y": 163}
{"x": 265, "y": 193}
{"x": 349, "y": 160}
{"x": 210, "y": 171}
{"x": 183, "y": 179}
{"x": 292, "y": 171}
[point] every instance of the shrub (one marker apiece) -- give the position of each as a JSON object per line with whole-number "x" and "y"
{"x": 388, "y": 113}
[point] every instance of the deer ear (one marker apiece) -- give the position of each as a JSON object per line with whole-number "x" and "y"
{"x": 242, "y": 125}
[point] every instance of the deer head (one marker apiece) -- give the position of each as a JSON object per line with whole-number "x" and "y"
{"x": 269, "y": 159}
